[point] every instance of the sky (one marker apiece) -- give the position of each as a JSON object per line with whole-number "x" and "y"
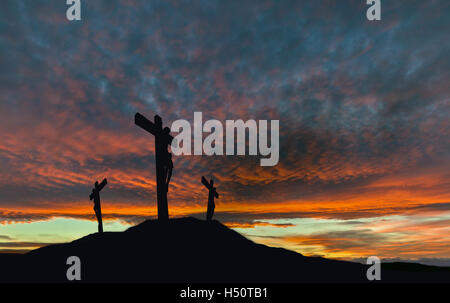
{"x": 363, "y": 108}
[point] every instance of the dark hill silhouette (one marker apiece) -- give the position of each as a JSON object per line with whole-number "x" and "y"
{"x": 193, "y": 251}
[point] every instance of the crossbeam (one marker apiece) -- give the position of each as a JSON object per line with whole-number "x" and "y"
{"x": 210, "y": 186}
{"x": 98, "y": 188}
{"x": 154, "y": 128}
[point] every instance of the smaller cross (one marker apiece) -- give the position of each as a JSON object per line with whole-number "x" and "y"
{"x": 97, "y": 207}
{"x": 212, "y": 193}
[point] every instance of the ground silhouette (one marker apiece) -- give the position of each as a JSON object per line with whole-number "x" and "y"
{"x": 190, "y": 250}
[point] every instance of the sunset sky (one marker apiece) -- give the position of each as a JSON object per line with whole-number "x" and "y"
{"x": 363, "y": 108}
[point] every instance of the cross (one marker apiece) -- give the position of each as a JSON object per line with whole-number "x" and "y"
{"x": 162, "y": 141}
{"x": 212, "y": 193}
{"x": 97, "y": 207}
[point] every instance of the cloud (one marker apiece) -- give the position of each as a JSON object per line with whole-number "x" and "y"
{"x": 257, "y": 223}
{"x": 22, "y": 244}
{"x": 338, "y": 241}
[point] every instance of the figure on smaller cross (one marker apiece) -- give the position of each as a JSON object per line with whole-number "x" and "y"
{"x": 212, "y": 193}
{"x": 168, "y": 163}
{"x": 168, "y": 168}
{"x": 97, "y": 207}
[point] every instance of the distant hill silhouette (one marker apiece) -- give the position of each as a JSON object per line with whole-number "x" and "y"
{"x": 193, "y": 251}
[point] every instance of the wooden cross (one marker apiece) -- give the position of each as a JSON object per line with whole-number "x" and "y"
{"x": 212, "y": 193}
{"x": 162, "y": 141}
{"x": 97, "y": 207}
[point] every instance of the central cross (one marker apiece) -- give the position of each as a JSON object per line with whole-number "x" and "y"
{"x": 162, "y": 158}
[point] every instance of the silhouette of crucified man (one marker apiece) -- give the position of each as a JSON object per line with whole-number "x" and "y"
{"x": 95, "y": 195}
{"x": 97, "y": 209}
{"x": 168, "y": 163}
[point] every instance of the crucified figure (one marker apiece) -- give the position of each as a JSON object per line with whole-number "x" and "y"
{"x": 168, "y": 163}
{"x": 95, "y": 195}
